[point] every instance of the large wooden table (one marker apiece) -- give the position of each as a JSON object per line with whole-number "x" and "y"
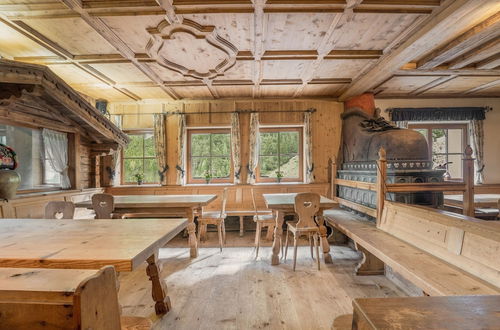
{"x": 285, "y": 204}
{"x": 480, "y": 200}
{"x": 90, "y": 244}
{"x": 450, "y": 312}
{"x": 178, "y": 205}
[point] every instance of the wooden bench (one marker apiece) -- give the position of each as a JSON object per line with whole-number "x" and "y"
{"x": 33, "y": 298}
{"x": 440, "y": 252}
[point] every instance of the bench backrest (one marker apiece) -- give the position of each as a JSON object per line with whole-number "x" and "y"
{"x": 471, "y": 244}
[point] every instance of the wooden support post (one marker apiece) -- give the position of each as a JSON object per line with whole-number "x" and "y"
{"x": 381, "y": 178}
{"x": 333, "y": 177}
{"x": 369, "y": 265}
{"x": 468, "y": 174}
{"x": 74, "y": 161}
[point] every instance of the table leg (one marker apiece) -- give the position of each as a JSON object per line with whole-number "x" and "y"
{"x": 191, "y": 228}
{"x": 325, "y": 246}
{"x": 159, "y": 290}
{"x": 242, "y": 227}
{"x": 278, "y": 233}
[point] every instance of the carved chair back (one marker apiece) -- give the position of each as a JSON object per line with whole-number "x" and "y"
{"x": 306, "y": 208}
{"x": 103, "y": 205}
{"x": 59, "y": 210}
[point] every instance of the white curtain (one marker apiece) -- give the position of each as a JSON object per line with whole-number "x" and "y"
{"x": 56, "y": 151}
{"x": 235, "y": 145}
{"x": 401, "y": 124}
{"x": 476, "y": 132}
{"x": 308, "y": 149}
{"x": 181, "y": 148}
{"x": 254, "y": 147}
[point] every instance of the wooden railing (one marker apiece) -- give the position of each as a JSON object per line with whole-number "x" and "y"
{"x": 381, "y": 187}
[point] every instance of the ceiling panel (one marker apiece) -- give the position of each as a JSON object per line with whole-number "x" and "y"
{"x": 461, "y": 84}
{"x": 121, "y": 72}
{"x": 149, "y": 92}
{"x": 234, "y": 91}
{"x": 315, "y": 90}
{"x": 405, "y": 84}
{"x": 72, "y": 74}
{"x": 342, "y": 68}
{"x": 14, "y": 44}
{"x": 286, "y": 69}
{"x": 278, "y": 91}
{"x": 192, "y": 92}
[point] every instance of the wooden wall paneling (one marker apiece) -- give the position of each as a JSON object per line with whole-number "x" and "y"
{"x": 245, "y": 135}
{"x": 197, "y": 119}
{"x": 74, "y": 168}
{"x": 222, "y": 119}
{"x": 172, "y": 137}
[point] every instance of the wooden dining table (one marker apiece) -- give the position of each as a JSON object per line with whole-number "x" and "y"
{"x": 480, "y": 200}
{"x": 90, "y": 244}
{"x": 175, "y": 205}
{"x": 284, "y": 204}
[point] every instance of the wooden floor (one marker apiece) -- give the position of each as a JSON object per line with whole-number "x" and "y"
{"x": 232, "y": 290}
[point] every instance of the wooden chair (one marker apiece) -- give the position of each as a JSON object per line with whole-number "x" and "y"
{"x": 59, "y": 210}
{"x": 261, "y": 220}
{"x": 103, "y": 205}
{"x": 306, "y": 207}
{"x": 214, "y": 218}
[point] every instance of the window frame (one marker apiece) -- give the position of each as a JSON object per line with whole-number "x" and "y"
{"x": 300, "y": 130}
{"x": 122, "y": 157}
{"x": 430, "y": 126}
{"x": 189, "y": 178}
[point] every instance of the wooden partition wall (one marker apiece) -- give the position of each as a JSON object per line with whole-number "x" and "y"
{"x": 381, "y": 187}
{"x": 326, "y": 125}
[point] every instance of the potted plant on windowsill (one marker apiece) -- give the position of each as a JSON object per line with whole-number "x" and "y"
{"x": 208, "y": 177}
{"x": 279, "y": 176}
{"x": 139, "y": 177}
{"x": 9, "y": 179}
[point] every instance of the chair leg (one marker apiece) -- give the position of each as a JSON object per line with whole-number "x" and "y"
{"x": 294, "y": 250}
{"x": 224, "y": 231}
{"x": 311, "y": 245}
{"x": 219, "y": 232}
{"x": 286, "y": 245}
{"x": 317, "y": 241}
{"x": 257, "y": 239}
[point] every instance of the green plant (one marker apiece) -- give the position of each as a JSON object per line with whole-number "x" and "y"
{"x": 139, "y": 177}
{"x": 279, "y": 175}
{"x": 208, "y": 176}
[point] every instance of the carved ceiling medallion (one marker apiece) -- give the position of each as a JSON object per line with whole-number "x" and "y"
{"x": 191, "y": 49}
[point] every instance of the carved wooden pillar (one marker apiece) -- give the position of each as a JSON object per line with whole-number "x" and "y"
{"x": 468, "y": 174}
{"x": 381, "y": 178}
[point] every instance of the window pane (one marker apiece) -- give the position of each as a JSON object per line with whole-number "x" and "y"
{"x": 438, "y": 140}
{"x": 455, "y": 168}
{"x": 149, "y": 145}
{"x": 422, "y": 131}
{"x": 134, "y": 148}
{"x": 130, "y": 168}
{"x": 268, "y": 166}
{"x": 269, "y": 143}
{"x": 221, "y": 144}
{"x": 199, "y": 167}
{"x": 289, "y": 166}
{"x": 150, "y": 171}
{"x": 51, "y": 176}
{"x": 455, "y": 141}
{"x": 289, "y": 142}
{"x": 200, "y": 144}
{"x": 438, "y": 160}
{"x": 221, "y": 167}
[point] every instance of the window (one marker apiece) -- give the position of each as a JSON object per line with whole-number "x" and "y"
{"x": 280, "y": 153}
{"x": 447, "y": 143}
{"x": 33, "y": 166}
{"x": 209, "y": 156}
{"x": 139, "y": 157}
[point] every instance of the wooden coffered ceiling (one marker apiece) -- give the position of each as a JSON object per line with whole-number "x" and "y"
{"x": 204, "y": 49}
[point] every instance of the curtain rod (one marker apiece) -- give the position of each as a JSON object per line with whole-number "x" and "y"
{"x": 312, "y": 110}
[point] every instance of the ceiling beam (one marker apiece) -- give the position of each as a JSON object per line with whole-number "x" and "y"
{"x": 445, "y": 22}
{"x": 487, "y": 49}
{"x": 258, "y": 45}
{"x": 491, "y": 62}
{"x": 432, "y": 84}
{"x": 474, "y": 37}
{"x": 484, "y": 86}
{"x": 105, "y": 31}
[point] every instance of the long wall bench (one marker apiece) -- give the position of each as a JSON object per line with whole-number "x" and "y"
{"x": 439, "y": 252}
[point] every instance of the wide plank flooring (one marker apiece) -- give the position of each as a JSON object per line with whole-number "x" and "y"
{"x": 233, "y": 290}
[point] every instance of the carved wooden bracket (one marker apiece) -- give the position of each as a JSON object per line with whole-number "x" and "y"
{"x": 191, "y": 49}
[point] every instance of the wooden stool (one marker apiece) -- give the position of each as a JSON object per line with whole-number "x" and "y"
{"x": 306, "y": 207}
{"x": 214, "y": 218}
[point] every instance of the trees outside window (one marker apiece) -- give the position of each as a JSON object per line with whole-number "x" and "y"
{"x": 209, "y": 156}
{"x": 139, "y": 158}
{"x": 446, "y": 143}
{"x": 280, "y": 155}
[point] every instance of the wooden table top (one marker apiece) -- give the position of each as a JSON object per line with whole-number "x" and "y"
{"x": 490, "y": 200}
{"x": 142, "y": 201}
{"x": 83, "y": 244}
{"x": 452, "y": 312}
{"x": 287, "y": 201}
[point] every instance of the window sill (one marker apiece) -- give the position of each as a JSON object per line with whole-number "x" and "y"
{"x": 140, "y": 185}
{"x": 275, "y": 183}
{"x": 209, "y": 184}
